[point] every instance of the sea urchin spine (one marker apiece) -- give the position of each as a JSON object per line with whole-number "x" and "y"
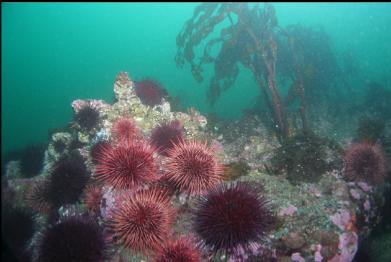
{"x": 124, "y": 130}
{"x": 365, "y": 162}
{"x": 142, "y": 220}
{"x": 97, "y": 150}
{"x": 67, "y": 180}
{"x": 92, "y": 198}
{"x": 37, "y": 197}
{"x": 150, "y": 92}
{"x": 126, "y": 166}
{"x": 180, "y": 250}
{"x": 166, "y": 135}
{"x": 232, "y": 217}
{"x": 192, "y": 167}
{"x": 87, "y": 118}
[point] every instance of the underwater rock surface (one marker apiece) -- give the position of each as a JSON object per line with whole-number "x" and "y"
{"x": 319, "y": 221}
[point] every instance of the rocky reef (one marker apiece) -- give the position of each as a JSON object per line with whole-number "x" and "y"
{"x": 313, "y": 220}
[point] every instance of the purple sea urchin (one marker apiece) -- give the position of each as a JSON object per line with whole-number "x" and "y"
{"x": 232, "y": 216}
{"x": 365, "y": 162}
{"x": 87, "y": 118}
{"x": 67, "y": 180}
{"x": 37, "y": 197}
{"x": 78, "y": 238}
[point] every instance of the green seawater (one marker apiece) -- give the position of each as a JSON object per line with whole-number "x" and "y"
{"x": 54, "y": 53}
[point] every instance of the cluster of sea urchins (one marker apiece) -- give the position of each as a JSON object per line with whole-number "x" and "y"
{"x": 142, "y": 216}
{"x": 64, "y": 185}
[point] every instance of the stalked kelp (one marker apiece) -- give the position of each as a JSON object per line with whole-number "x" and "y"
{"x": 250, "y": 38}
{"x": 315, "y": 60}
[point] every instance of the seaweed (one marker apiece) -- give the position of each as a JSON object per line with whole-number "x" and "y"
{"x": 316, "y": 60}
{"x": 248, "y": 37}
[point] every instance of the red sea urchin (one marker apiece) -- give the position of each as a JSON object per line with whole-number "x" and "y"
{"x": 231, "y": 217}
{"x": 164, "y": 186}
{"x": 92, "y": 198}
{"x": 192, "y": 167}
{"x": 142, "y": 220}
{"x": 97, "y": 149}
{"x": 180, "y": 250}
{"x": 150, "y": 92}
{"x": 365, "y": 162}
{"x": 78, "y": 238}
{"x": 166, "y": 135}
{"x": 124, "y": 130}
{"x": 126, "y": 166}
